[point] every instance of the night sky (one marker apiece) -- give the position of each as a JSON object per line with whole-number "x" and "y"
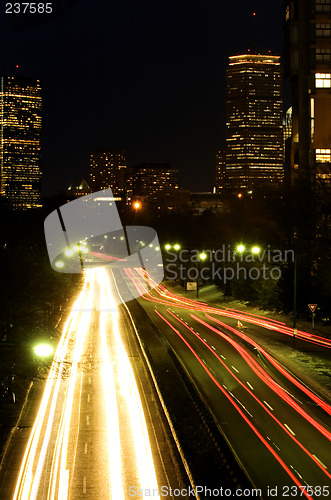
{"x": 144, "y": 75}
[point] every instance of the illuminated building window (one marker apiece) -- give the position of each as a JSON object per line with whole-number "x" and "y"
{"x": 323, "y": 80}
{"x": 312, "y": 119}
{"x": 322, "y": 5}
{"x": 323, "y": 155}
{"x": 323, "y": 29}
{"x": 323, "y": 55}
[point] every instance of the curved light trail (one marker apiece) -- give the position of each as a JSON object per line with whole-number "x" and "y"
{"x": 164, "y": 300}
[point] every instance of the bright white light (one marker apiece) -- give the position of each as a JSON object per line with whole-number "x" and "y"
{"x": 43, "y": 350}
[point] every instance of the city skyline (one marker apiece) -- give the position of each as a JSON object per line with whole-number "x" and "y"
{"x": 155, "y": 83}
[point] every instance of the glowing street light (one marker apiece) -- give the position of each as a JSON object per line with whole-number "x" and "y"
{"x": 136, "y": 205}
{"x": 167, "y": 247}
{"x": 256, "y": 250}
{"x": 177, "y": 246}
{"x": 59, "y": 264}
{"x": 240, "y": 248}
{"x": 202, "y": 256}
{"x": 43, "y": 350}
{"x": 69, "y": 252}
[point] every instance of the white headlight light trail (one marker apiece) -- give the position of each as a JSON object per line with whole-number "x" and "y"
{"x": 128, "y": 388}
{"x": 29, "y": 476}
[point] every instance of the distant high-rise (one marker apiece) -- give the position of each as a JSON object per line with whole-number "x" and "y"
{"x": 154, "y": 181}
{"x": 20, "y": 130}
{"x": 220, "y": 171}
{"x": 254, "y": 139}
{"x": 107, "y": 170}
{"x": 308, "y": 68}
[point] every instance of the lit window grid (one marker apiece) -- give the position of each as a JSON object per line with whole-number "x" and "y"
{"x": 323, "y": 155}
{"x": 323, "y": 30}
{"x": 322, "y": 6}
{"x": 323, "y": 80}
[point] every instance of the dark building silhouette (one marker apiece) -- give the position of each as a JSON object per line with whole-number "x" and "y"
{"x": 20, "y": 130}
{"x": 78, "y": 188}
{"x": 254, "y": 140}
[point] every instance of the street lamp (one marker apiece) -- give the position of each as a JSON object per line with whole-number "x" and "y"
{"x": 202, "y": 258}
{"x": 240, "y": 248}
{"x": 256, "y": 250}
{"x": 43, "y": 350}
{"x": 136, "y": 205}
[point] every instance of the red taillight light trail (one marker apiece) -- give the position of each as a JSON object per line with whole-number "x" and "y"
{"x": 254, "y": 429}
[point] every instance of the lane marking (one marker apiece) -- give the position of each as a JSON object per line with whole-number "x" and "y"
{"x": 223, "y": 356}
{"x": 84, "y": 484}
{"x": 289, "y": 429}
{"x": 88, "y": 398}
{"x": 213, "y": 347}
{"x": 320, "y": 462}
{"x": 87, "y": 420}
{"x": 85, "y": 449}
{"x": 235, "y": 368}
{"x": 250, "y": 386}
{"x": 269, "y": 406}
{"x": 89, "y": 380}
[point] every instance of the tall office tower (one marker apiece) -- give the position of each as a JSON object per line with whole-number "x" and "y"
{"x": 107, "y": 170}
{"x": 308, "y": 68}
{"x": 254, "y": 140}
{"x": 20, "y": 130}
{"x": 154, "y": 181}
{"x": 220, "y": 171}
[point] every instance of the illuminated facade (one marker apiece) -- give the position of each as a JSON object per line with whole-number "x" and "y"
{"x": 155, "y": 181}
{"x": 220, "y": 171}
{"x": 20, "y": 130}
{"x": 108, "y": 170}
{"x": 254, "y": 138}
{"x": 308, "y": 68}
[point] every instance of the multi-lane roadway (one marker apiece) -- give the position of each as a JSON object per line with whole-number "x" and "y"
{"x": 279, "y": 429}
{"x": 89, "y": 438}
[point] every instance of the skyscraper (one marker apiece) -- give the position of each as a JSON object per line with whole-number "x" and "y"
{"x": 308, "y": 68}
{"x": 254, "y": 140}
{"x": 20, "y": 130}
{"x": 107, "y": 170}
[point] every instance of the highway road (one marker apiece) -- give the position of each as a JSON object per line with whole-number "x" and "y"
{"x": 89, "y": 438}
{"x": 278, "y": 428}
